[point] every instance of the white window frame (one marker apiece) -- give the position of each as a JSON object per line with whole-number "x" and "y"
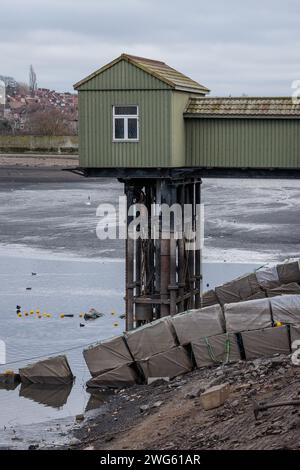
{"x": 126, "y": 117}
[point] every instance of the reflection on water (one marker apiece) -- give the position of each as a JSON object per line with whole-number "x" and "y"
{"x": 54, "y": 396}
{"x": 97, "y": 399}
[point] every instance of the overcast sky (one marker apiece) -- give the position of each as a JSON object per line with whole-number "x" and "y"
{"x": 232, "y": 47}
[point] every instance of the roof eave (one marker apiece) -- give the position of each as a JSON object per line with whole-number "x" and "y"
{"x": 192, "y": 90}
{"x": 239, "y": 116}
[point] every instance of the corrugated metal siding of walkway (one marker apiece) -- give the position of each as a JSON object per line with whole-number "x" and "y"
{"x": 242, "y": 142}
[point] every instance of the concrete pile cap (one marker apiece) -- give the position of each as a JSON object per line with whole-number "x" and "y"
{"x": 169, "y": 364}
{"x": 195, "y": 324}
{"x": 55, "y": 370}
{"x": 266, "y": 342}
{"x": 239, "y": 289}
{"x": 123, "y": 376}
{"x": 286, "y": 309}
{"x": 249, "y": 315}
{"x": 152, "y": 338}
{"x": 216, "y": 349}
{"x": 107, "y": 355}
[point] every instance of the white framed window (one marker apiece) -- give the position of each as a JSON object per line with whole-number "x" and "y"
{"x": 125, "y": 123}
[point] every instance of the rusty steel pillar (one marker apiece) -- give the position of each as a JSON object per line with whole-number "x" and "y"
{"x": 198, "y": 255}
{"x": 129, "y": 190}
{"x": 163, "y": 276}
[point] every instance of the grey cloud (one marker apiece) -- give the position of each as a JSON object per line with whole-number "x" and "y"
{"x": 231, "y": 47}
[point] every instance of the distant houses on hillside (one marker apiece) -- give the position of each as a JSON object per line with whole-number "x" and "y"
{"x": 25, "y": 112}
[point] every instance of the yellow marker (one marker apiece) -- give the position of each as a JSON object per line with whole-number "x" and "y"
{"x": 81, "y": 315}
{"x": 62, "y": 315}
{"x": 19, "y": 315}
{"x": 113, "y": 312}
{"x": 278, "y": 323}
{"x": 26, "y": 314}
{"x": 31, "y": 312}
{"x": 116, "y": 324}
{"x": 37, "y": 312}
{"x": 39, "y": 316}
{"x": 49, "y": 315}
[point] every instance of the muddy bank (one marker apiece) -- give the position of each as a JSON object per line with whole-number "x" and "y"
{"x": 170, "y": 415}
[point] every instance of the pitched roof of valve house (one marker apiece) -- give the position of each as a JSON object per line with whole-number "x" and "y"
{"x": 160, "y": 70}
{"x": 242, "y": 107}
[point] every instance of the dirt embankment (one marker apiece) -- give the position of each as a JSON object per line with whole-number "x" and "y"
{"x": 38, "y": 161}
{"x": 170, "y": 416}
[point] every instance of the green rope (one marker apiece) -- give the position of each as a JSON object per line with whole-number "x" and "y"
{"x": 227, "y": 348}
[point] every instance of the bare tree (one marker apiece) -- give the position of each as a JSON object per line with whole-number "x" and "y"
{"x": 49, "y": 121}
{"x": 32, "y": 80}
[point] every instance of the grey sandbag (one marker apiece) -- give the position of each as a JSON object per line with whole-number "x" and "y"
{"x": 55, "y": 370}
{"x": 284, "y": 289}
{"x": 249, "y": 315}
{"x": 216, "y": 349}
{"x": 289, "y": 272}
{"x": 266, "y": 342}
{"x": 123, "y": 376}
{"x": 209, "y": 298}
{"x": 267, "y": 277}
{"x": 195, "y": 324}
{"x": 286, "y": 309}
{"x": 152, "y": 338}
{"x": 295, "y": 334}
{"x": 258, "y": 295}
{"x": 170, "y": 364}
{"x": 239, "y": 289}
{"x": 107, "y": 355}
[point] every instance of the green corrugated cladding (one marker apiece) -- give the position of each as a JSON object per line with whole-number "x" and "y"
{"x": 96, "y": 146}
{"x": 125, "y": 84}
{"x": 240, "y": 143}
{"x": 124, "y": 76}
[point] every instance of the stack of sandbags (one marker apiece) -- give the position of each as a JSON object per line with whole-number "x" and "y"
{"x": 266, "y": 342}
{"x": 154, "y": 347}
{"x": 286, "y": 309}
{"x": 239, "y": 289}
{"x": 55, "y": 370}
{"x": 249, "y": 315}
{"x": 195, "y": 324}
{"x": 217, "y": 349}
{"x": 110, "y": 364}
{"x": 270, "y": 277}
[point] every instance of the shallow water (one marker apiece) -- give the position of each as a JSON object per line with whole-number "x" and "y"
{"x": 63, "y": 286}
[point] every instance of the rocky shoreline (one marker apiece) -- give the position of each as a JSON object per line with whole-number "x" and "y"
{"x": 170, "y": 416}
